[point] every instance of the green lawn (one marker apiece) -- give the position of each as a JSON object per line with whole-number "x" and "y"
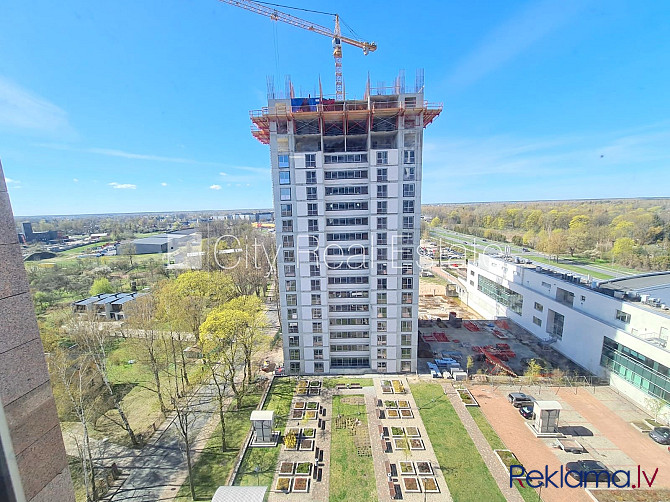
{"x": 528, "y": 493}
{"x": 352, "y": 478}
{"x": 214, "y": 466}
{"x": 331, "y": 383}
{"x": 265, "y": 459}
{"x": 467, "y": 476}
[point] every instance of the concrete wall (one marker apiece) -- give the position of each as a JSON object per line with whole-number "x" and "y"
{"x": 25, "y": 389}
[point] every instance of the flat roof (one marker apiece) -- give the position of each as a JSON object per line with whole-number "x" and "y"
{"x": 267, "y": 415}
{"x": 638, "y": 282}
{"x": 548, "y": 405}
{"x": 239, "y": 494}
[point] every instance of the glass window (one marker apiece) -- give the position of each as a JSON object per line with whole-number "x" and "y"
{"x": 285, "y": 194}
{"x": 313, "y": 225}
{"x": 285, "y": 178}
{"x": 407, "y": 283}
{"x": 381, "y": 326}
{"x": 406, "y": 353}
{"x": 316, "y": 299}
{"x": 382, "y": 283}
{"x": 312, "y": 209}
{"x": 310, "y": 160}
{"x": 408, "y": 222}
{"x": 317, "y": 327}
{"x": 381, "y": 298}
{"x": 286, "y": 210}
{"x": 407, "y": 206}
{"x": 382, "y": 207}
{"x": 406, "y": 326}
{"x": 381, "y": 312}
{"x": 283, "y": 159}
{"x": 310, "y": 177}
{"x": 311, "y": 193}
{"x": 382, "y": 191}
{"x": 289, "y": 270}
{"x": 382, "y": 158}
{"x": 409, "y": 173}
{"x": 291, "y": 300}
{"x": 408, "y": 190}
{"x": 287, "y": 241}
{"x": 290, "y": 285}
{"x": 382, "y": 174}
{"x": 382, "y": 223}
{"x": 316, "y": 313}
{"x": 287, "y": 225}
{"x": 315, "y": 284}
{"x": 408, "y": 157}
{"x": 294, "y": 354}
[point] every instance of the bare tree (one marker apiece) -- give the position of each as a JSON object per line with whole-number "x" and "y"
{"x": 142, "y": 318}
{"x": 78, "y": 383}
{"x": 93, "y": 340}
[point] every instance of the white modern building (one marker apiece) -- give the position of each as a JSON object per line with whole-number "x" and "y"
{"x": 615, "y": 329}
{"x": 347, "y": 197}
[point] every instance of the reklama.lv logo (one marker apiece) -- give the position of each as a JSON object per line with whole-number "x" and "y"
{"x": 578, "y": 479}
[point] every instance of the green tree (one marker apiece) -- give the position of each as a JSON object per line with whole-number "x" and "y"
{"x": 101, "y": 286}
{"x": 435, "y": 222}
{"x": 623, "y": 250}
{"x": 533, "y": 371}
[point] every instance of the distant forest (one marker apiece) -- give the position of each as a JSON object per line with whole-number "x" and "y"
{"x": 631, "y": 232}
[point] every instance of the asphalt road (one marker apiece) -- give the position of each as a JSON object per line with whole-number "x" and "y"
{"x": 482, "y": 246}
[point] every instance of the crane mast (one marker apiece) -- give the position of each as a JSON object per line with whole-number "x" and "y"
{"x": 335, "y": 35}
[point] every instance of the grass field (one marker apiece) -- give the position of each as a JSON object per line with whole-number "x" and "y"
{"x": 352, "y": 477}
{"x": 331, "y": 383}
{"x": 467, "y": 476}
{"x": 528, "y": 493}
{"x": 265, "y": 459}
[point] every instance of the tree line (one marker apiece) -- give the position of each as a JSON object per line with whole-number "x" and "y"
{"x": 631, "y": 232}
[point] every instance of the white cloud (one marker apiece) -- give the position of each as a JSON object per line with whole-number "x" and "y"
{"x": 164, "y": 184}
{"x": 215, "y": 187}
{"x": 122, "y": 186}
{"x": 11, "y": 181}
{"x": 223, "y": 174}
{"x": 21, "y": 109}
{"x": 76, "y": 180}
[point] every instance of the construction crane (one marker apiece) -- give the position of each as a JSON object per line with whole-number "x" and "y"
{"x": 336, "y": 34}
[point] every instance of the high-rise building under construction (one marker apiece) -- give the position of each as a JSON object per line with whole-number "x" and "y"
{"x": 346, "y": 178}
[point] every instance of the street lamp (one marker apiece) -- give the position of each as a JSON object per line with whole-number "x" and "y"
{"x": 257, "y": 471}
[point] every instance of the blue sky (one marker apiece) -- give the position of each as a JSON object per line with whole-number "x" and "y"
{"x": 143, "y": 106}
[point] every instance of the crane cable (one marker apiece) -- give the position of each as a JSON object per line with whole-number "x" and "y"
{"x": 314, "y": 11}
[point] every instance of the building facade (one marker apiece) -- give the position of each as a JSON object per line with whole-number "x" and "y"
{"x": 617, "y": 329}
{"x": 33, "y": 464}
{"x": 346, "y": 181}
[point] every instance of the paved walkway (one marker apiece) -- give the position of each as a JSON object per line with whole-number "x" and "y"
{"x": 534, "y": 453}
{"x": 642, "y": 450}
{"x": 499, "y": 473}
{"x": 380, "y": 458}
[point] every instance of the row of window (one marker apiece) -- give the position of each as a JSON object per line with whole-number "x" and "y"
{"x": 501, "y": 294}
{"x": 284, "y": 161}
{"x": 340, "y": 222}
{"x": 347, "y": 206}
{"x": 639, "y": 370}
{"x": 356, "y": 174}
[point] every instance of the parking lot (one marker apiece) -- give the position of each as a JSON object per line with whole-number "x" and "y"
{"x": 599, "y": 420}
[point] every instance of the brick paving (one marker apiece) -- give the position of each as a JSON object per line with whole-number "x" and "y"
{"x": 499, "y": 473}
{"x": 642, "y": 450}
{"x": 534, "y": 453}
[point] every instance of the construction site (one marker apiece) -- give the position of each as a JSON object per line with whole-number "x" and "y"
{"x": 450, "y": 331}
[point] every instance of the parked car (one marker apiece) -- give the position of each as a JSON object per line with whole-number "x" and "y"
{"x": 527, "y": 411}
{"x": 660, "y": 435}
{"x": 593, "y": 469}
{"x": 520, "y": 399}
